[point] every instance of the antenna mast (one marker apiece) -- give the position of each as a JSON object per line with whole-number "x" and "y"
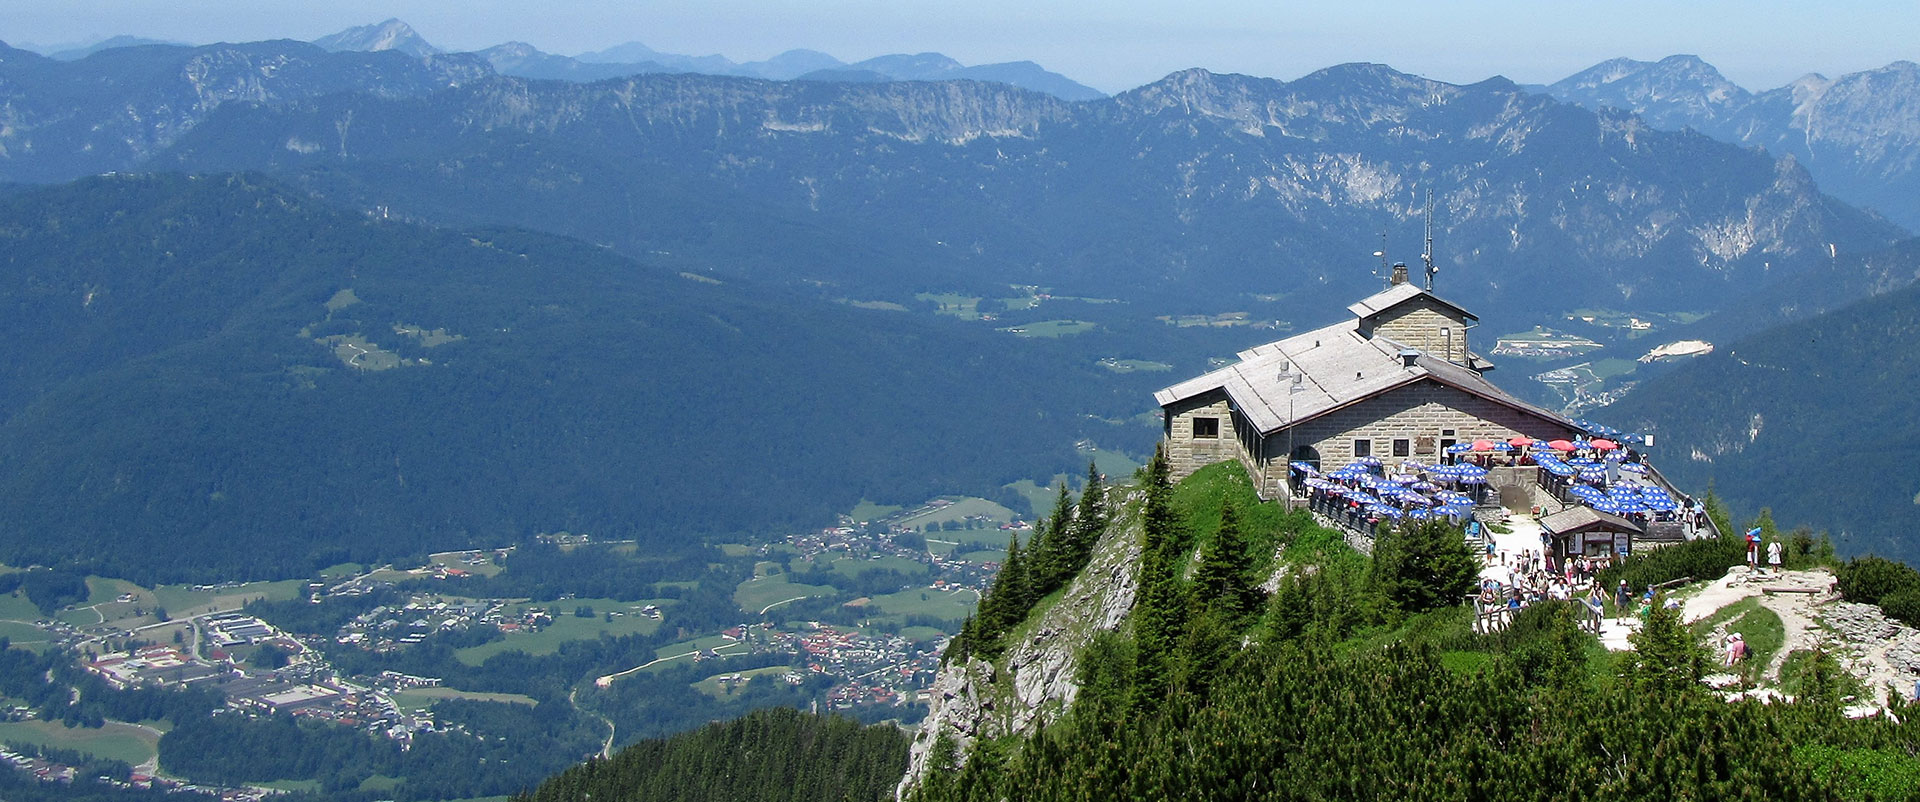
{"x": 1428, "y": 256}
{"x": 1385, "y": 269}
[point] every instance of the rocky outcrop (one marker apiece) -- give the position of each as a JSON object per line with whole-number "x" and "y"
{"x": 1033, "y": 683}
{"x": 1881, "y": 651}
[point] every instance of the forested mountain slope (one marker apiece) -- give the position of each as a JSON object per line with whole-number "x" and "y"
{"x": 1814, "y": 419}
{"x": 218, "y": 377}
{"x": 770, "y": 756}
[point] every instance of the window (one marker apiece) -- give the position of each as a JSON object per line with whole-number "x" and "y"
{"x": 1363, "y": 448}
{"x": 1447, "y": 439}
{"x": 1206, "y": 428}
{"x": 1402, "y": 447}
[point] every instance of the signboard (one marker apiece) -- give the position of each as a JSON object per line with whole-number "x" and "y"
{"x": 1622, "y": 543}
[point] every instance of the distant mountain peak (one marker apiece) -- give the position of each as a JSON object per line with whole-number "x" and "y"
{"x": 623, "y": 53}
{"x": 911, "y": 66}
{"x": 390, "y": 35}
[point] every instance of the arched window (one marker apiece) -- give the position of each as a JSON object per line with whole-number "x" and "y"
{"x": 1306, "y": 454}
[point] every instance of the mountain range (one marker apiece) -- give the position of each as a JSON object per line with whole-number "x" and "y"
{"x": 633, "y": 58}
{"x": 1859, "y": 134}
{"x": 1198, "y": 193}
{"x": 1167, "y": 192}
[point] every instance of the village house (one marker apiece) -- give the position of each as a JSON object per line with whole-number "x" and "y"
{"x": 1397, "y": 382}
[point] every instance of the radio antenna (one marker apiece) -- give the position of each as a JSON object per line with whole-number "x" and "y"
{"x": 1385, "y": 269}
{"x": 1428, "y": 256}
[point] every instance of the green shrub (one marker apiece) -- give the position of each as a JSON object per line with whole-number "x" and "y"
{"x": 1704, "y": 559}
{"x": 1869, "y": 579}
{"x": 1903, "y": 605}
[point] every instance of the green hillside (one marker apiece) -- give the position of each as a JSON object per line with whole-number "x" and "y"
{"x": 221, "y": 378}
{"x": 1813, "y": 419}
{"x": 1362, "y": 678}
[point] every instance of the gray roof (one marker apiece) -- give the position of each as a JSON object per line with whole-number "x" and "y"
{"x": 1576, "y": 519}
{"x": 1307, "y": 375}
{"x": 1396, "y": 295}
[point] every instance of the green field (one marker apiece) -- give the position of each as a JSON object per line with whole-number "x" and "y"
{"x": 884, "y": 306}
{"x": 1051, "y": 328}
{"x": 922, "y": 633}
{"x": 115, "y": 741}
{"x": 754, "y": 595}
{"x": 869, "y": 511}
{"x": 342, "y": 571}
{"x": 736, "y": 549}
{"x": 854, "y": 568}
{"x": 958, "y": 510}
{"x": 1612, "y": 367}
{"x": 19, "y": 634}
{"x": 672, "y": 654}
{"x": 711, "y": 686}
{"x": 15, "y": 607}
{"x": 417, "y": 699}
{"x": 944, "y": 605}
{"x": 565, "y": 627}
{"x": 182, "y": 601}
{"x": 983, "y": 556}
{"x": 1118, "y": 468}
{"x": 458, "y": 560}
{"x": 965, "y": 307}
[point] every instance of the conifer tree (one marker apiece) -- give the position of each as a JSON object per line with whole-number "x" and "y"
{"x": 1049, "y": 566}
{"x": 1159, "y": 612}
{"x": 1005, "y": 604}
{"x": 1089, "y": 520}
{"x": 1224, "y": 580}
{"x": 1666, "y": 660}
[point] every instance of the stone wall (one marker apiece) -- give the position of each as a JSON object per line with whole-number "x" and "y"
{"x": 1428, "y": 326}
{"x": 1420, "y": 414}
{"x": 1187, "y": 453}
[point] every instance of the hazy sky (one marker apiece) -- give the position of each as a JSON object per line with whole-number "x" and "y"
{"x": 1108, "y": 44}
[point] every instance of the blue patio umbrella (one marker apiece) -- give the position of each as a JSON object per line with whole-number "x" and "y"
{"x": 1460, "y": 448}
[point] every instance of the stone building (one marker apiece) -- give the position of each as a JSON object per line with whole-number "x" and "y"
{"x": 1397, "y": 382}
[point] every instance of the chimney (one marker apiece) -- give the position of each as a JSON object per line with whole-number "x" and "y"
{"x": 1408, "y": 356}
{"x": 1399, "y": 274}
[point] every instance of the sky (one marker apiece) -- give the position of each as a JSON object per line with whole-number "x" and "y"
{"x": 1111, "y": 45}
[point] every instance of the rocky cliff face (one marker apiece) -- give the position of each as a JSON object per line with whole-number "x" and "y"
{"x": 1033, "y": 683}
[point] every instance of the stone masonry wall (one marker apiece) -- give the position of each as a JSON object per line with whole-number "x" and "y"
{"x": 1417, "y": 413}
{"x": 1419, "y": 324}
{"x": 1186, "y": 453}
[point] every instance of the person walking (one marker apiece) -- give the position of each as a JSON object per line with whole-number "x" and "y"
{"x": 1622, "y": 597}
{"x": 1773, "y": 556}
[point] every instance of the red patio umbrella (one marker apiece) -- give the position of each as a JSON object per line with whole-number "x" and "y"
{"x": 1560, "y": 445}
{"x": 1522, "y": 441}
{"x": 1483, "y": 445}
{"x": 1605, "y": 445}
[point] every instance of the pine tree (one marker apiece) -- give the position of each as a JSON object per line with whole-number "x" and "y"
{"x": 1089, "y": 520}
{"x": 1050, "y": 566}
{"x": 1224, "y": 580}
{"x": 1666, "y": 660}
{"x": 1159, "y": 613}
